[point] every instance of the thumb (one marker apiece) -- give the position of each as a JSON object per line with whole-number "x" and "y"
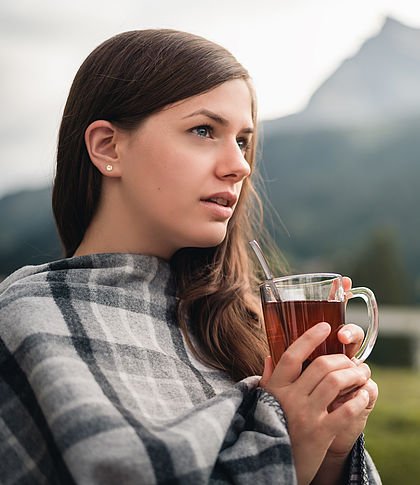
{"x": 268, "y": 370}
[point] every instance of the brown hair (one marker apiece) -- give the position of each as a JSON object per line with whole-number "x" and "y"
{"x": 124, "y": 80}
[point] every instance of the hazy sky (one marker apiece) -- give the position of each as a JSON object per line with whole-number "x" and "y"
{"x": 289, "y": 46}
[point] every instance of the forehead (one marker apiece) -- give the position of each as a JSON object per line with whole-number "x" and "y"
{"x": 231, "y": 100}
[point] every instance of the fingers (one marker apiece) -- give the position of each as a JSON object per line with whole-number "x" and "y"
{"x": 372, "y": 389}
{"x": 346, "y": 283}
{"x": 268, "y": 370}
{"x": 339, "y": 386}
{"x": 358, "y": 407}
{"x": 289, "y": 367}
{"x": 351, "y": 334}
{"x": 352, "y": 410}
{"x": 336, "y": 284}
{"x": 320, "y": 369}
{"x": 352, "y": 337}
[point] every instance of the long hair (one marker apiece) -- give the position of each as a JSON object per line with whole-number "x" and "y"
{"x": 124, "y": 80}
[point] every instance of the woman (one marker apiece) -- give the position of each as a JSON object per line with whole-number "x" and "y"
{"x": 136, "y": 358}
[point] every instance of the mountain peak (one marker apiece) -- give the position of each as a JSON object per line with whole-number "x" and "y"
{"x": 380, "y": 82}
{"x": 392, "y": 23}
{"x": 398, "y": 35}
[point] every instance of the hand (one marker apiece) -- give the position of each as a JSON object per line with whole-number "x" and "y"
{"x": 352, "y": 337}
{"x": 333, "y": 466}
{"x": 316, "y": 419}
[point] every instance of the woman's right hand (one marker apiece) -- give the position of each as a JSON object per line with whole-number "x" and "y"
{"x": 306, "y": 398}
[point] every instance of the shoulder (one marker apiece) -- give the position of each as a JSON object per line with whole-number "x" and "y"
{"x": 38, "y": 281}
{"x": 26, "y": 303}
{"x": 23, "y": 283}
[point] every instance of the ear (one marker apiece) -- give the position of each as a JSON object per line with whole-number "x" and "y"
{"x": 100, "y": 139}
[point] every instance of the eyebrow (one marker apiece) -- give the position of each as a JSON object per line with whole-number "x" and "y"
{"x": 217, "y": 118}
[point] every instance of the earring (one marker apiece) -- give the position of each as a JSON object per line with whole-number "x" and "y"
{"x": 109, "y": 168}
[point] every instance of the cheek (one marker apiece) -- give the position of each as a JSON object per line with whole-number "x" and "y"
{"x": 241, "y": 192}
{"x": 145, "y": 172}
{"x": 169, "y": 177}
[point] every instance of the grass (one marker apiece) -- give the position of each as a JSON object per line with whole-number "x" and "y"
{"x": 393, "y": 430}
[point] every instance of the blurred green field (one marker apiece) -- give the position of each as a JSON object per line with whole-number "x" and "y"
{"x": 393, "y": 431}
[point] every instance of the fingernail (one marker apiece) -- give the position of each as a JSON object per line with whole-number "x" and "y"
{"x": 348, "y": 334}
{"x": 323, "y": 327}
{"x": 366, "y": 394}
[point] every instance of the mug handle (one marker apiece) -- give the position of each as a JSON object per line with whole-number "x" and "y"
{"x": 368, "y": 297}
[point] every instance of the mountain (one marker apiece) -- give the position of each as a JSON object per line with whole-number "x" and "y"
{"x": 28, "y": 234}
{"x": 333, "y": 189}
{"x": 343, "y": 175}
{"x": 346, "y": 168}
{"x": 381, "y": 81}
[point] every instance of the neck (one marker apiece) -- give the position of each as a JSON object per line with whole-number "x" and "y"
{"x": 114, "y": 229}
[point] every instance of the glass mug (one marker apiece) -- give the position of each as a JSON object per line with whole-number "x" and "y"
{"x": 293, "y": 304}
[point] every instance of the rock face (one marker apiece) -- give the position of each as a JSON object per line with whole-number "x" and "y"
{"x": 339, "y": 173}
{"x": 346, "y": 168}
{"x": 381, "y": 81}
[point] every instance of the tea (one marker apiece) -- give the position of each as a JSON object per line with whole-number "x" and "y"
{"x": 288, "y": 320}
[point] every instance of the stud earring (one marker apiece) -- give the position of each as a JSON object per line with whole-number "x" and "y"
{"x": 109, "y": 168}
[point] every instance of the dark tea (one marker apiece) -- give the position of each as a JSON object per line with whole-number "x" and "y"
{"x": 288, "y": 320}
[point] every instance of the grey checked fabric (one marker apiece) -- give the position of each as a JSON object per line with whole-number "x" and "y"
{"x": 97, "y": 387}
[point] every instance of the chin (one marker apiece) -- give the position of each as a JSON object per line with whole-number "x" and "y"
{"x": 209, "y": 240}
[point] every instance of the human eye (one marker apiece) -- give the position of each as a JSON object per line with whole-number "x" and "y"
{"x": 243, "y": 144}
{"x": 204, "y": 131}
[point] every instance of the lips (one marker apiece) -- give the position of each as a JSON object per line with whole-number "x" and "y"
{"x": 219, "y": 201}
{"x": 224, "y": 199}
{"x": 220, "y": 205}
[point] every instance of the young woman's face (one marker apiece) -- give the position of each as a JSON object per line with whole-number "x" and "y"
{"x": 183, "y": 169}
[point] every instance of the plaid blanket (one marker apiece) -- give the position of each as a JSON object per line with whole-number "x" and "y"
{"x": 97, "y": 387}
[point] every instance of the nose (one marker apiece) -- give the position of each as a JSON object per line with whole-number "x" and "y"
{"x": 232, "y": 163}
